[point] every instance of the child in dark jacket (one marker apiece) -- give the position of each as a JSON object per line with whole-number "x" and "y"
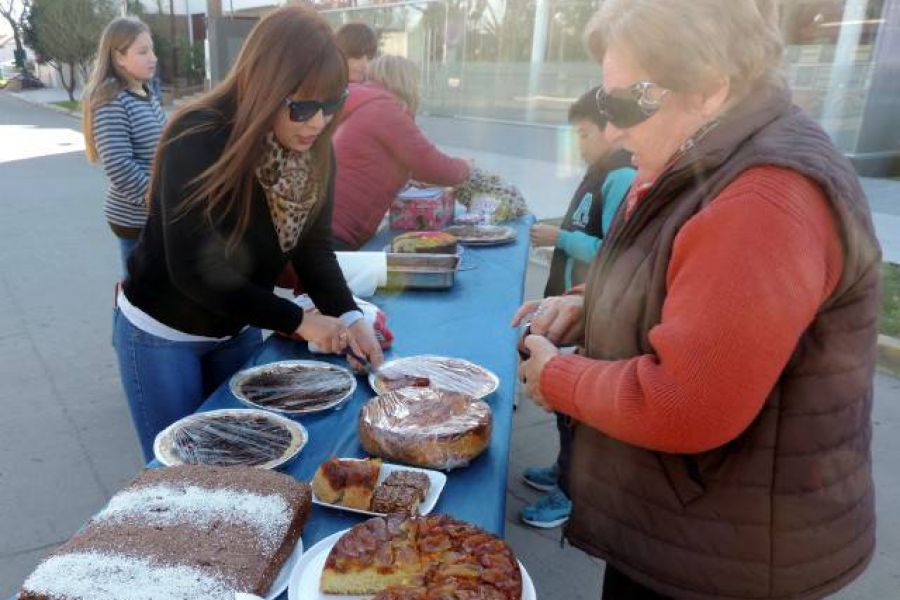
{"x": 576, "y": 242}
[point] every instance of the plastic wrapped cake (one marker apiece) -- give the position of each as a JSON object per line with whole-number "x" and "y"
{"x": 425, "y": 427}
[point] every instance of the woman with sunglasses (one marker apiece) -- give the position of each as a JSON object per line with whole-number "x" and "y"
{"x": 242, "y": 184}
{"x": 379, "y": 147}
{"x": 726, "y": 334}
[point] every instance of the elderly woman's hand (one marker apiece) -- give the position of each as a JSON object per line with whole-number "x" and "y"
{"x": 540, "y": 352}
{"x": 559, "y": 318}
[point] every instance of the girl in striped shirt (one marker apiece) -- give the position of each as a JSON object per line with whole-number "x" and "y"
{"x": 123, "y": 120}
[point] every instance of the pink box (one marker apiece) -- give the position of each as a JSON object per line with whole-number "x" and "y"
{"x": 422, "y": 209}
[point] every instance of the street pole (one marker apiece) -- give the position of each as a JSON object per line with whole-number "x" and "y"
{"x": 173, "y": 41}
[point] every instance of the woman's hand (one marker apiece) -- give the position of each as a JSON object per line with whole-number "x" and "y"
{"x": 540, "y": 352}
{"x": 364, "y": 344}
{"x": 544, "y": 235}
{"x": 328, "y": 333}
{"x": 560, "y": 319}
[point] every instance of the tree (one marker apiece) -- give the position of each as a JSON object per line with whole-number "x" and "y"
{"x": 64, "y": 34}
{"x": 13, "y": 11}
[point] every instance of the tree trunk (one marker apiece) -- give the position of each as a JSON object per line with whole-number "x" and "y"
{"x": 71, "y": 87}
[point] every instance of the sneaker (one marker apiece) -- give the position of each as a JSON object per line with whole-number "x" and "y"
{"x": 550, "y": 511}
{"x": 541, "y": 478}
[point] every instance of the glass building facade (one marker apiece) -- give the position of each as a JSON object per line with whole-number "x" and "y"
{"x": 522, "y": 61}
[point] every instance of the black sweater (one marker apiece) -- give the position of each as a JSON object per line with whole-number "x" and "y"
{"x": 181, "y": 274}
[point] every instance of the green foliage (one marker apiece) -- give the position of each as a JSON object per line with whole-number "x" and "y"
{"x": 67, "y": 31}
{"x": 890, "y": 299}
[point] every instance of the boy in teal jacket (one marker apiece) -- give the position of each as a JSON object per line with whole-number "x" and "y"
{"x": 576, "y": 242}
{"x": 593, "y": 205}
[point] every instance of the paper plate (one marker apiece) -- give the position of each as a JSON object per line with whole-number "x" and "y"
{"x": 436, "y": 482}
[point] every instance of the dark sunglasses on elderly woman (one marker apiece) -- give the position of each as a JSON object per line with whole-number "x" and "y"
{"x": 304, "y": 110}
{"x": 632, "y": 105}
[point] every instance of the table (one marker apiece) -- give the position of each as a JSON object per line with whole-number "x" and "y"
{"x": 469, "y": 321}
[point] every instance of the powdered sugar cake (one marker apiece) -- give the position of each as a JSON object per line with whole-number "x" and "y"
{"x": 188, "y": 532}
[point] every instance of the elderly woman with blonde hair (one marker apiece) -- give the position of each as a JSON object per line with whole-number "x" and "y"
{"x": 722, "y": 386}
{"x": 379, "y": 148}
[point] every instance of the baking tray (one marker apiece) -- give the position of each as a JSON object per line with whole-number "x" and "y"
{"x": 421, "y": 271}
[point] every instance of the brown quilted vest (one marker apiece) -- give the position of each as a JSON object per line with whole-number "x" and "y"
{"x": 787, "y": 509}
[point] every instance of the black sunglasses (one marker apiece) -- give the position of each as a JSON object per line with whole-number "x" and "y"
{"x": 304, "y": 110}
{"x": 632, "y": 105}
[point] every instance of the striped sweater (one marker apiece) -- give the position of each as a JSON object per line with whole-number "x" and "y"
{"x": 126, "y": 131}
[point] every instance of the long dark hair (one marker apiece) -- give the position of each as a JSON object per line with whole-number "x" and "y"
{"x": 291, "y": 49}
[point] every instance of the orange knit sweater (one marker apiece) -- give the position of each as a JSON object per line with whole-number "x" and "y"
{"x": 746, "y": 278}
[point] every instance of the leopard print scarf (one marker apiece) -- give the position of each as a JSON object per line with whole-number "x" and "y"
{"x": 291, "y": 187}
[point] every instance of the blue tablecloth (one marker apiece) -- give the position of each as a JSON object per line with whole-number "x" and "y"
{"x": 469, "y": 321}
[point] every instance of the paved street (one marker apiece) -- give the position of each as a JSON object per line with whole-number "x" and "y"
{"x": 66, "y": 442}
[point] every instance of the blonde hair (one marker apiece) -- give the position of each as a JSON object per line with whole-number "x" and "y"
{"x": 689, "y": 45}
{"x": 399, "y": 75}
{"x": 107, "y": 79}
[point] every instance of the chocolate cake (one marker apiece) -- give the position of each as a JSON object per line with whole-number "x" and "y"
{"x": 298, "y": 388}
{"x": 395, "y": 499}
{"x": 412, "y": 479}
{"x": 188, "y": 532}
{"x": 225, "y": 440}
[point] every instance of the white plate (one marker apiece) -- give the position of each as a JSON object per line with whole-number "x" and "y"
{"x": 284, "y": 575}
{"x": 436, "y": 482}
{"x": 162, "y": 444}
{"x": 240, "y": 377}
{"x": 305, "y": 578}
{"x": 427, "y": 365}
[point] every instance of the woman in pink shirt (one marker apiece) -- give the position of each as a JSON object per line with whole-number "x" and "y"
{"x": 379, "y": 148}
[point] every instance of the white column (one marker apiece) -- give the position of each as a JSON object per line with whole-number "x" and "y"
{"x": 844, "y": 56}
{"x": 538, "y": 51}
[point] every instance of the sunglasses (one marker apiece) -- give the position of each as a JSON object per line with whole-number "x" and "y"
{"x": 304, "y": 110}
{"x": 632, "y": 105}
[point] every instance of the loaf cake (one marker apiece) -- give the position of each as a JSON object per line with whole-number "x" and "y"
{"x": 347, "y": 482}
{"x": 425, "y": 427}
{"x": 400, "y": 557}
{"x": 190, "y": 532}
{"x": 429, "y": 242}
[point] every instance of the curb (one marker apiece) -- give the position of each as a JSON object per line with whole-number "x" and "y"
{"x": 23, "y": 98}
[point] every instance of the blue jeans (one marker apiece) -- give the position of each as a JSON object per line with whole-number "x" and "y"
{"x": 166, "y": 380}
{"x": 125, "y": 247}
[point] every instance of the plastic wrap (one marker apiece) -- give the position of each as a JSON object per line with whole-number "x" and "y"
{"x": 425, "y": 427}
{"x": 231, "y": 437}
{"x": 294, "y": 386}
{"x": 482, "y": 235}
{"x": 439, "y": 372}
